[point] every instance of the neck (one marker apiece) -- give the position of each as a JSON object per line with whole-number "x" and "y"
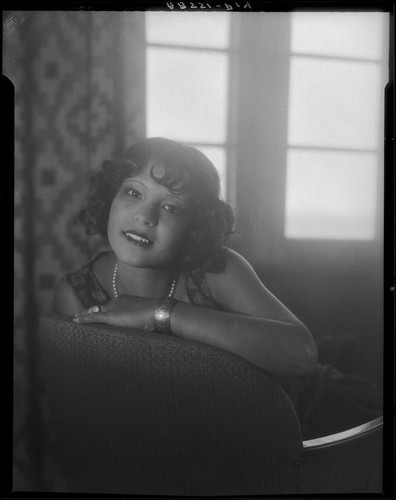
{"x": 143, "y": 282}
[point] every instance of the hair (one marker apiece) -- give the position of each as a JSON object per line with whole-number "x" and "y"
{"x": 186, "y": 170}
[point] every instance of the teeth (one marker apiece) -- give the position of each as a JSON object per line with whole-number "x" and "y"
{"x": 137, "y": 238}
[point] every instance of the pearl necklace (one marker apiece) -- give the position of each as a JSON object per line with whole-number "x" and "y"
{"x": 171, "y": 292}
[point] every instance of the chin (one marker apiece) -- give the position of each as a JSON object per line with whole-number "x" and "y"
{"x": 141, "y": 261}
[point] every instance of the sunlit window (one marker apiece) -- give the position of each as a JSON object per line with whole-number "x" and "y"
{"x": 335, "y": 129}
{"x": 187, "y": 81}
{"x": 333, "y": 191}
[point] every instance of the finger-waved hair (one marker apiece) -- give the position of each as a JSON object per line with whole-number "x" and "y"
{"x": 186, "y": 170}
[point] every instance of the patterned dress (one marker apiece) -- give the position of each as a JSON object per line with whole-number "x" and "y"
{"x": 90, "y": 291}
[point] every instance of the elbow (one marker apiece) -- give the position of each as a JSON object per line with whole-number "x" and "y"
{"x": 307, "y": 357}
{"x": 300, "y": 354}
{"x": 308, "y": 363}
{"x": 297, "y": 359}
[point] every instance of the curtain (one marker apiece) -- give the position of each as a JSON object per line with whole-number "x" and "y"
{"x": 79, "y": 83}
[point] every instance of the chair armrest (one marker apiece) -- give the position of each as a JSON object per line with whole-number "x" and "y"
{"x": 346, "y": 462}
{"x": 345, "y": 436}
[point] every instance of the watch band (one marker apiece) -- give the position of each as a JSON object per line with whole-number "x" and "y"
{"x": 162, "y": 315}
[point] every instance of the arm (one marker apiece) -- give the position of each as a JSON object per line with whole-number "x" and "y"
{"x": 255, "y": 326}
{"x": 280, "y": 348}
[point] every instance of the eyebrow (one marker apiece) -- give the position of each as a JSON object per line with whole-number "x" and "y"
{"x": 179, "y": 199}
{"x": 133, "y": 179}
{"x": 175, "y": 196}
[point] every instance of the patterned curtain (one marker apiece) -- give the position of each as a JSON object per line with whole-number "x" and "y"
{"x": 79, "y": 80}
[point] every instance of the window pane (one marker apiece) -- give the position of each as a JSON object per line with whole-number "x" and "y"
{"x": 198, "y": 29}
{"x": 186, "y": 95}
{"x": 217, "y": 156}
{"x": 331, "y": 195}
{"x": 335, "y": 104}
{"x": 345, "y": 34}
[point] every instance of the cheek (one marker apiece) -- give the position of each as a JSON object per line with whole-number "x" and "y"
{"x": 178, "y": 233}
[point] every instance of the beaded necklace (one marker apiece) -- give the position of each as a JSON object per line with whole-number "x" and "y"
{"x": 170, "y": 294}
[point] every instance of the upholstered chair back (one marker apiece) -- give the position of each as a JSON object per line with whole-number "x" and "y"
{"x": 149, "y": 414}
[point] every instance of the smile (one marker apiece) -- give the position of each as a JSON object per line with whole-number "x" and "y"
{"x": 136, "y": 238}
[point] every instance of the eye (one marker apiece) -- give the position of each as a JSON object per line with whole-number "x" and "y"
{"x": 134, "y": 193}
{"x": 172, "y": 209}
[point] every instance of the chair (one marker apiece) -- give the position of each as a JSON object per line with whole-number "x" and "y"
{"x": 149, "y": 414}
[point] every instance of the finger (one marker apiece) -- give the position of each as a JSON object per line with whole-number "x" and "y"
{"x": 99, "y": 317}
{"x": 94, "y": 310}
{"x": 106, "y": 307}
{"x": 84, "y": 312}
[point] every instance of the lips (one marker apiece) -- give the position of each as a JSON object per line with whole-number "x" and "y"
{"x": 140, "y": 239}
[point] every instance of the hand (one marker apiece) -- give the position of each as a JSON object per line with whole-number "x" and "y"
{"x": 127, "y": 311}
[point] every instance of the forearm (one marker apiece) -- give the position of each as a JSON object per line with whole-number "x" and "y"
{"x": 281, "y": 349}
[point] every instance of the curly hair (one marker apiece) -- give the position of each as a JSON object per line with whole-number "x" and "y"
{"x": 186, "y": 170}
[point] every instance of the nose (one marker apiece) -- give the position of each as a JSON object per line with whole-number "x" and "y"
{"x": 147, "y": 214}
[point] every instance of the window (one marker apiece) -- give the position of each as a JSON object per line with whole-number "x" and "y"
{"x": 335, "y": 128}
{"x": 187, "y": 81}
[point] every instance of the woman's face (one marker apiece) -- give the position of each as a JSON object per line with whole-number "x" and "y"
{"x": 147, "y": 223}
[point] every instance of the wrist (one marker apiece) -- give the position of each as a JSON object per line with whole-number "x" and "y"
{"x": 162, "y": 315}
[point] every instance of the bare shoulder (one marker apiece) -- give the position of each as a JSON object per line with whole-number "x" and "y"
{"x": 239, "y": 289}
{"x": 66, "y": 300}
{"x": 237, "y": 268}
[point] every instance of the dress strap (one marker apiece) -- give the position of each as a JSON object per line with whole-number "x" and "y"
{"x": 198, "y": 290}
